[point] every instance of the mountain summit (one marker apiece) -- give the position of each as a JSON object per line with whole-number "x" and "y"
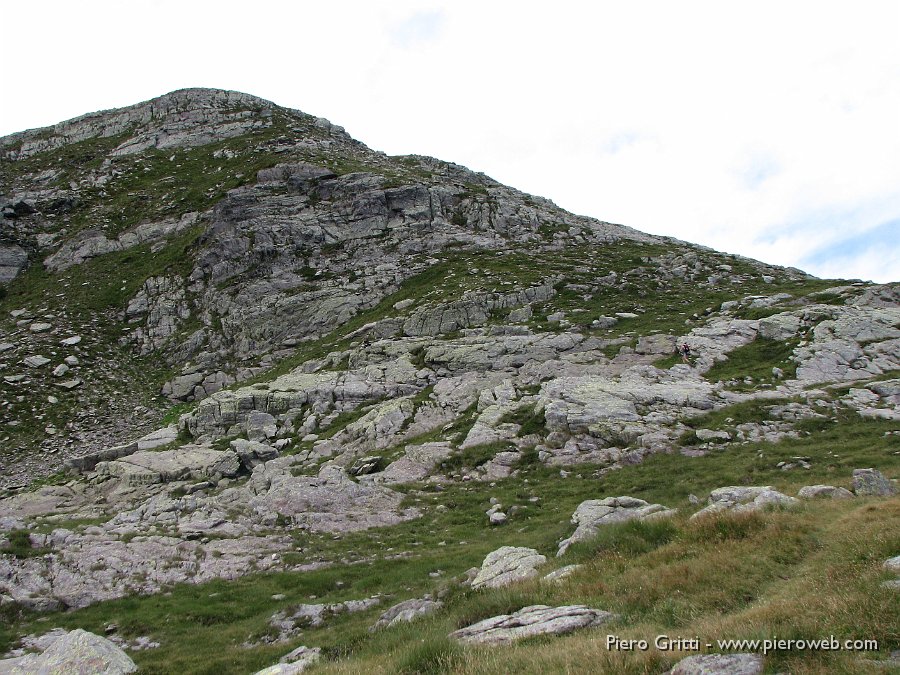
{"x": 240, "y": 345}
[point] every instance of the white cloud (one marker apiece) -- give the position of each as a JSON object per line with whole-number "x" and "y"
{"x": 733, "y": 125}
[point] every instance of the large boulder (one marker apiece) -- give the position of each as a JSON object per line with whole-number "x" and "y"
{"x": 77, "y": 652}
{"x": 530, "y": 622}
{"x": 595, "y": 513}
{"x": 507, "y": 565}
{"x": 872, "y": 483}
{"x": 740, "y": 499}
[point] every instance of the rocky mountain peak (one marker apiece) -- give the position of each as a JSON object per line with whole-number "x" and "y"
{"x": 182, "y": 118}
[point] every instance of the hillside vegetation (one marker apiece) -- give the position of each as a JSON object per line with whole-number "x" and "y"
{"x": 262, "y": 384}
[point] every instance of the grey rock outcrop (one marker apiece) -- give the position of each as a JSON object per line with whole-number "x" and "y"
{"x": 91, "y": 243}
{"x": 146, "y": 467}
{"x": 329, "y": 502}
{"x": 562, "y": 573}
{"x": 739, "y": 499}
{"x": 507, "y": 565}
{"x": 719, "y": 664}
{"x": 75, "y": 652}
{"x": 530, "y": 622}
{"x": 297, "y": 661}
{"x": 13, "y": 259}
{"x": 290, "y": 621}
{"x": 406, "y": 611}
{"x": 824, "y": 492}
{"x": 595, "y": 513}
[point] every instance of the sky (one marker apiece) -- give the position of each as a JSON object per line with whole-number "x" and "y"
{"x": 767, "y": 129}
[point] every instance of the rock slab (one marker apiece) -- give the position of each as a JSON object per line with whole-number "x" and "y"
{"x": 406, "y": 611}
{"x": 719, "y": 664}
{"x": 78, "y": 653}
{"x": 507, "y": 565}
{"x": 530, "y": 622}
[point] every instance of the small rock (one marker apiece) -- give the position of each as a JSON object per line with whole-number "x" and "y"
{"x": 562, "y": 573}
{"x": 365, "y": 466}
{"x": 497, "y": 518}
{"x": 604, "y": 322}
{"x": 69, "y": 384}
{"x": 36, "y": 361}
{"x": 71, "y": 360}
{"x": 294, "y": 662}
{"x": 60, "y": 370}
{"x": 40, "y": 327}
{"x": 892, "y": 564}
{"x": 260, "y": 426}
{"x": 824, "y": 492}
{"x": 406, "y": 611}
{"x": 71, "y": 341}
{"x": 719, "y": 664}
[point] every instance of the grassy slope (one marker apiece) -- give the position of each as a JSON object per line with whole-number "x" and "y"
{"x": 804, "y": 573}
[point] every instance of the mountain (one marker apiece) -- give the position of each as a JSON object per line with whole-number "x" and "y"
{"x": 249, "y": 362}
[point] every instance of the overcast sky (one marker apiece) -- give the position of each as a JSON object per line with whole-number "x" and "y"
{"x": 769, "y": 129}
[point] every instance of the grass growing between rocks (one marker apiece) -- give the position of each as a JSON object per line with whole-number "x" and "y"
{"x": 802, "y": 573}
{"x": 756, "y": 360}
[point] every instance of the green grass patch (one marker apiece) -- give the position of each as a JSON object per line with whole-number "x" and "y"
{"x": 756, "y": 360}
{"x": 474, "y": 456}
{"x": 19, "y": 545}
{"x": 529, "y": 418}
{"x": 726, "y": 578}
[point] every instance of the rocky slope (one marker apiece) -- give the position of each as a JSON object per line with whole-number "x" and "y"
{"x": 232, "y": 334}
